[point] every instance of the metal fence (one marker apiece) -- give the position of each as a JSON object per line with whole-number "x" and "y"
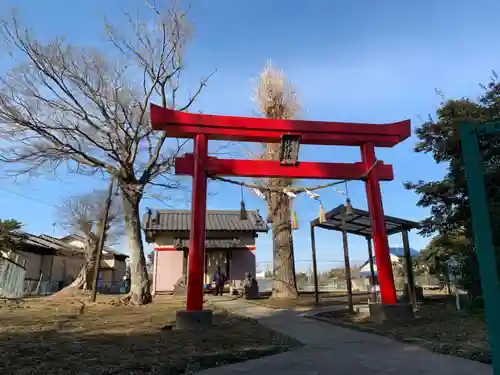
{"x": 41, "y": 288}
{"x": 112, "y": 288}
{"x": 331, "y": 277}
{"x": 266, "y": 285}
{"x": 46, "y": 288}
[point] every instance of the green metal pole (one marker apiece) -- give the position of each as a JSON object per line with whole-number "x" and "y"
{"x": 483, "y": 238}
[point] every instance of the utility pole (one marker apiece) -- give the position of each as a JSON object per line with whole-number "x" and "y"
{"x": 347, "y": 264}
{"x": 102, "y": 233}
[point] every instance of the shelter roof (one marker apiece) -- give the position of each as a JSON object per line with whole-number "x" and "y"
{"x": 359, "y": 222}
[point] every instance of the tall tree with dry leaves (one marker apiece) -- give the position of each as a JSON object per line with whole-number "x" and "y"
{"x": 87, "y": 110}
{"x": 276, "y": 99}
{"x": 11, "y": 235}
{"x": 84, "y": 215}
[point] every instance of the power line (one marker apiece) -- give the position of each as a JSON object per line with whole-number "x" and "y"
{"x": 53, "y": 205}
{"x": 28, "y": 197}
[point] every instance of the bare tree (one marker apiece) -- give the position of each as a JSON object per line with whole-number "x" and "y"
{"x": 84, "y": 215}
{"x": 276, "y": 99}
{"x": 62, "y": 105}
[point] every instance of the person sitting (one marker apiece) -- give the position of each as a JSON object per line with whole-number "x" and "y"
{"x": 250, "y": 287}
{"x": 180, "y": 286}
{"x": 219, "y": 279}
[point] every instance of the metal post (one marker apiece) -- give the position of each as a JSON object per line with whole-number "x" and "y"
{"x": 379, "y": 233}
{"x": 372, "y": 269}
{"x": 347, "y": 266}
{"x": 409, "y": 269}
{"x": 205, "y": 268}
{"x": 100, "y": 244}
{"x": 315, "y": 268}
{"x": 196, "y": 255}
{"x": 155, "y": 271}
{"x": 483, "y": 237}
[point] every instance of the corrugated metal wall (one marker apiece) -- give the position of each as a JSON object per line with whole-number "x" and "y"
{"x": 12, "y": 277}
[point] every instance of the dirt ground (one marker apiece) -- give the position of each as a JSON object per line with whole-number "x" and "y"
{"x": 306, "y": 301}
{"x": 43, "y": 336}
{"x": 438, "y": 327}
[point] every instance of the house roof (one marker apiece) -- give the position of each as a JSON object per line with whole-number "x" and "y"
{"x": 59, "y": 243}
{"x": 400, "y": 251}
{"x": 359, "y": 222}
{"x": 226, "y": 221}
{"x": 50, "y": 245}
{"x": 80, "y": 238}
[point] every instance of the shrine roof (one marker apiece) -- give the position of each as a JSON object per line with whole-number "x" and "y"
{"x": 359, "y": 222}
{"x": 212, "y": 243}
{"x": 217, "y": 220}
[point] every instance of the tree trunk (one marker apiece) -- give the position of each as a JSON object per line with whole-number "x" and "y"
{"x": 91, "y": 249}
{"x": 284, "y": 285}
{"x": 140, "y": 291}
{"x": 84, "y": 279}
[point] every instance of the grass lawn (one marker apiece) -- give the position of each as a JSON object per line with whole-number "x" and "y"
{"x": 306, "y": 301}
{"x": 44, "y": 336}
{"x": 438, "y": 327}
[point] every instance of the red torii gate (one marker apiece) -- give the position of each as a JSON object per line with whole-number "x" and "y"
{"x": 201, "y": 127}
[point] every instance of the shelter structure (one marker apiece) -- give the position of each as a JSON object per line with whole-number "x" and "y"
{"x": 358, "y": 222}
{"x": 290, "y": 134}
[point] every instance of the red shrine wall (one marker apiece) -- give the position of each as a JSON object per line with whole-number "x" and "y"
{"x": 168, "y": 266}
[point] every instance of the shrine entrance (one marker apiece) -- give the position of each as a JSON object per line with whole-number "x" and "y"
{"x": 290, "y": 133}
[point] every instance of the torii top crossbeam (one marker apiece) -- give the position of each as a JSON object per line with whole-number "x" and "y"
{"x": 249, "y": 129}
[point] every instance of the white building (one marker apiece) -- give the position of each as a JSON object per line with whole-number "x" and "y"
{"x": 397, "y": 256}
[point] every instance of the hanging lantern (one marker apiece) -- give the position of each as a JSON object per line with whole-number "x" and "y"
{"x": 322, "y": 215}
{"x": 348, "y": 207}
{"x": 243, "y": 210}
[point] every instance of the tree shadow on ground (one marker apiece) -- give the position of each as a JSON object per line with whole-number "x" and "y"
{"x": 69, "y": 347}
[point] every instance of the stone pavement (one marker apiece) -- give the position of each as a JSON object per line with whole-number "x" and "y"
{"x": 334, "y": 350}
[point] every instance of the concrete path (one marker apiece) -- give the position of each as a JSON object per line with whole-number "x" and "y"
{"x": 334, "y": 350}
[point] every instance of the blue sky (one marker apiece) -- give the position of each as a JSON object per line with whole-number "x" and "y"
{"x": 351, "y": 61}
